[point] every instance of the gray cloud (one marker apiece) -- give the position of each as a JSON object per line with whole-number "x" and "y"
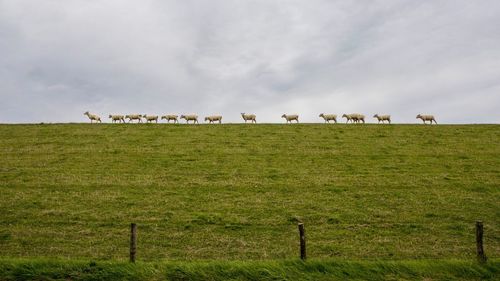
{"x": 61, "y": 58}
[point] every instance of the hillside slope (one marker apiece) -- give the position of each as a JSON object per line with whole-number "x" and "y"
{"x": 237, "y": 191}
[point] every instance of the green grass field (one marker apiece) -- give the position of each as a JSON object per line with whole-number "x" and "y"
{"x": 312, "y": 270}
{"x": 236, "y": 192}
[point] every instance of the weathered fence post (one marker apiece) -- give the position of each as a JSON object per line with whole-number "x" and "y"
{"x": 133, "y": 241}
{"x": 481, "y": 257}
{"x": 302, "y": 235}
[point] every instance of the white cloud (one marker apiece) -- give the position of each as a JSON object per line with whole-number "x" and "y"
{"x": 61, "y": 58}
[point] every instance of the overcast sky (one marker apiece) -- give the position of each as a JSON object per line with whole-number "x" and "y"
{"x": 60, "y": 58}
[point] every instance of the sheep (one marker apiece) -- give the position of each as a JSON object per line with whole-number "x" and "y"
{"x": 190, "y": 117}
{"x": 169, "y": 117}
{"x": 427, "y": 118}
{"x": 358, "y": 117}
{"x": 354, "y": 117}
{"x": 382, "y": 118}
{"x": 213, "y": 118}
{"x": 290, "y": 118}
{"x": 131, "y": 117}
{"x": 348, "y": 117}
{"x": 92, "y": 117}
{"x": 329, "y": 117}
{"x": 150, "y": 118}
{"x": 249, "y": 117}
{"x": 119, "y": 118}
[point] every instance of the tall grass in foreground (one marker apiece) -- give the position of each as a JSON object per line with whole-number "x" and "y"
{"x": 249, "y": 270}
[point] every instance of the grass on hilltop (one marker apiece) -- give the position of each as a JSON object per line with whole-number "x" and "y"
{"x": 236, "y": 192}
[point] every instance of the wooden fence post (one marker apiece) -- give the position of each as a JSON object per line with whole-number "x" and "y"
{"x": 302, "y": 236}
{"x": 481, "y": 257}
{"x": 133, "y": 241}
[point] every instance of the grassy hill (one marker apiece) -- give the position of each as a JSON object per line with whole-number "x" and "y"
{"x": 236, "y": 192}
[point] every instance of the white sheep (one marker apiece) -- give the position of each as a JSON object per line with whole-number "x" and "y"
{"x": 214, "y": 118}
{"x": 150, "y": 118}
{"x": 92, "y": 117}
{"x": 382, "y": 118}
{"x": 348, "y": 117}
{"x": 249, "y": 117}
{"x": 427, "y": 118}
{"x": 329, "y": 117}
{"x": 131, "y": 117}
{"x": 119, "y": 118}
{"x": 290, "y": 117}
{"x": 354, "y": 117}
{"x": 190, "y": 117}
{"x": 169, "y": 117}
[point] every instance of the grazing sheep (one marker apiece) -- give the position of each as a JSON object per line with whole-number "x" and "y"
{"x": 92, "y": 117}
{"x": 150, "y": 118}
{"x": 131, "y": 117}
{"x": 290, "y": 118}
{"x": 191, "y": 117}
{"x": 382, "y": 118}
{"x": 213, "y": 118}
{"x": 169, "y": 117}
{"x": 119, "y": 118}
{"x": 249, "y": 117}
{"x": 427, "y": 118}
{"x": 329, "y": 117}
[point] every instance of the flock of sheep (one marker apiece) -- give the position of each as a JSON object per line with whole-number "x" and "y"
{"x": 353, "y": 118}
